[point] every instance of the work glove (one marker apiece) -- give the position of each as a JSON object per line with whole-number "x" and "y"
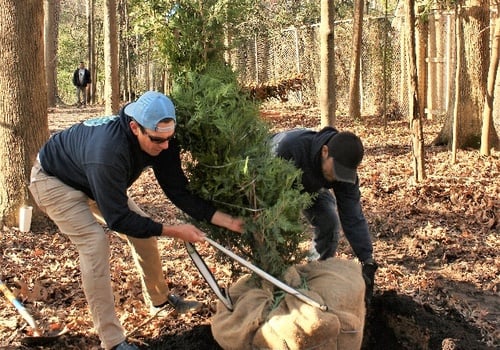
{"x": 369, "y": 267}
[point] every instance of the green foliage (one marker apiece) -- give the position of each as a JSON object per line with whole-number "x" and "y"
{"x": 283, "y": 14}
{"x": 232, "y": 166}
{"x": 220, "y": 128}
{"x": 194, "y": 35}
{"x": 188, "y": 34}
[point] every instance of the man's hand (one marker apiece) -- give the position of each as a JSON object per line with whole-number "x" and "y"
{"x": 236, "y": 225}
{"x": 225, "y": 220}
{"x": 186, "y": 232}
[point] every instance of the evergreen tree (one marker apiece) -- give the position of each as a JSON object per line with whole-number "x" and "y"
{"x": 222, "y": 134}
{"x": 232, "y": 165}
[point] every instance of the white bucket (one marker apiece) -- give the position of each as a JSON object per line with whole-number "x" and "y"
{"x": 25, "y": 218}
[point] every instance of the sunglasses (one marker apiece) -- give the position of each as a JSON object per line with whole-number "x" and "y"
{"x": 156, "y": 139}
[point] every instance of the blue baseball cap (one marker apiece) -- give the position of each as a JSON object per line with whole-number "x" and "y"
{"x": 151, "y": 108}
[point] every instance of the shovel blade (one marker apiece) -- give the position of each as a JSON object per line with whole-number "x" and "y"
{"x": 48, "y": 338}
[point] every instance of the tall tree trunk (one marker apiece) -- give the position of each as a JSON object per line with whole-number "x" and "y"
{"x": 147, "y": 67}
{"x": 474, "y": 56}
{"x": 456, "y": 105}
{"x": 112, "y": 82}
{"x": 489, "y": 136}
{"x": 23, "y": 109}
{"x": 90, "y": 19}
{"x": 417, "y": 135}
{"x": 91, "y": 49}
{"x": 422, "y": 34}
{"x": 354, "y": 77}
{"x": 127, "y": 75}
{"x": 51, "y": 38}
{"x": 327, "y": 97}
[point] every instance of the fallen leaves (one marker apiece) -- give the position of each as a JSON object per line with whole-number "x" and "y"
{"x": 436, "y": 242}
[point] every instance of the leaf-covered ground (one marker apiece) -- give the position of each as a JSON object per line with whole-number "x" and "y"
{"x": 437, "y": 244}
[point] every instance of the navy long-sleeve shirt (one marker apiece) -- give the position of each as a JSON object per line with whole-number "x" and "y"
{"x": 303, "y": 148}
{"x": 102, "y": 158}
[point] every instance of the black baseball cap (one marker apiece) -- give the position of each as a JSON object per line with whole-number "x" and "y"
{"x": 347, "y": 152}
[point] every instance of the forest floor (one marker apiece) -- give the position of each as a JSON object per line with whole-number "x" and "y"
{"x": 436, "y": 242}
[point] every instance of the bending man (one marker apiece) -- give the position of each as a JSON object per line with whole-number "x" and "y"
{"x": 329, "y": 160}
{"x": 81, "y": 178}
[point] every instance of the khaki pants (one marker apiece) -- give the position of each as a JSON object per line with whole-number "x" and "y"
{"x": 79, "y": 218}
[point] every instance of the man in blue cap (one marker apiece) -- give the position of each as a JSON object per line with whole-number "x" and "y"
{"x": 329, "y": 160}
{"x": 80, "y": 179}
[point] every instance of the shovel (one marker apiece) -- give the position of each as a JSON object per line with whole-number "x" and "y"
{"x": 224, "y": 297}
{"x": 37, "y": 338}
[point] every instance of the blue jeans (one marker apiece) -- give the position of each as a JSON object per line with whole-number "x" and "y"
{"x": 324, "y": 217}
{"x": 81, "y": 91}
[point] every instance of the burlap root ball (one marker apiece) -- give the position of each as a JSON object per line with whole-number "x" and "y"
{"x": 293, "y": 324}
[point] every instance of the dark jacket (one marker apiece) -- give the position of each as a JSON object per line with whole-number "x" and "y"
{"x": 86, "y": 78}
{"x": 303, "y": 148}
{"x": 102, "y": 158}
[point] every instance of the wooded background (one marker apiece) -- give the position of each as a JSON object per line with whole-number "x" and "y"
{"x": 288, "y": 55}
{"x": 372, "y": 67}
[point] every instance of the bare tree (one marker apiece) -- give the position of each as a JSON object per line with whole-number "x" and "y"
{"x": 474, "y": 56}
{"x": 112, "y": 83}
{"x": 23, "y": 109}
{"x": 422, "y": 33}
{"x": 488, "y": 133}
{"x": 354, "y": 78}
{"x": 415, "y": 117}
{"x": 458, "y": 85}
{"x": 327, "y": 98}
{"x": 51, "y": 39}
{"x": 125, "y": 57}
{"x": 91, "y": 50}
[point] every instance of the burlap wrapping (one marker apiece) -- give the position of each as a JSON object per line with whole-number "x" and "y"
{"x": 294, "y": 324}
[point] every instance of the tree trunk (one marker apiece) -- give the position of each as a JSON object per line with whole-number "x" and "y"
{"x": 112, "y": 82}
{"x": 125, "y": 57}
{"x": 422, "y": 34}
{"x": 354, "y": 78}
{"x": 458, "y": 47}
{"x": 327, "y": 98}
{"x": 415, "y": 117}
{"x": 51, "y": 39}
{"x": 23, "y": 110}
{"x": 91, "y": 49}
{"x": 147, "y": 66}
{"x": 473, "y": 77}
{"x": 489, "y": 136}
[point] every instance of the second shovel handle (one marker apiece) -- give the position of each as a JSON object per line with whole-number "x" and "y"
{"x": 17, "y": 304}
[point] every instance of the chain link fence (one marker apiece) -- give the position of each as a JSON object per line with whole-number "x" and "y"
{"x": 295, "y": 52}
{"x": 384, "y": 81}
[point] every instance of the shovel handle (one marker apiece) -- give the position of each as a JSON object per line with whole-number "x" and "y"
{"x": 268, "y": 277}
{"x": 17, "y": 304}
